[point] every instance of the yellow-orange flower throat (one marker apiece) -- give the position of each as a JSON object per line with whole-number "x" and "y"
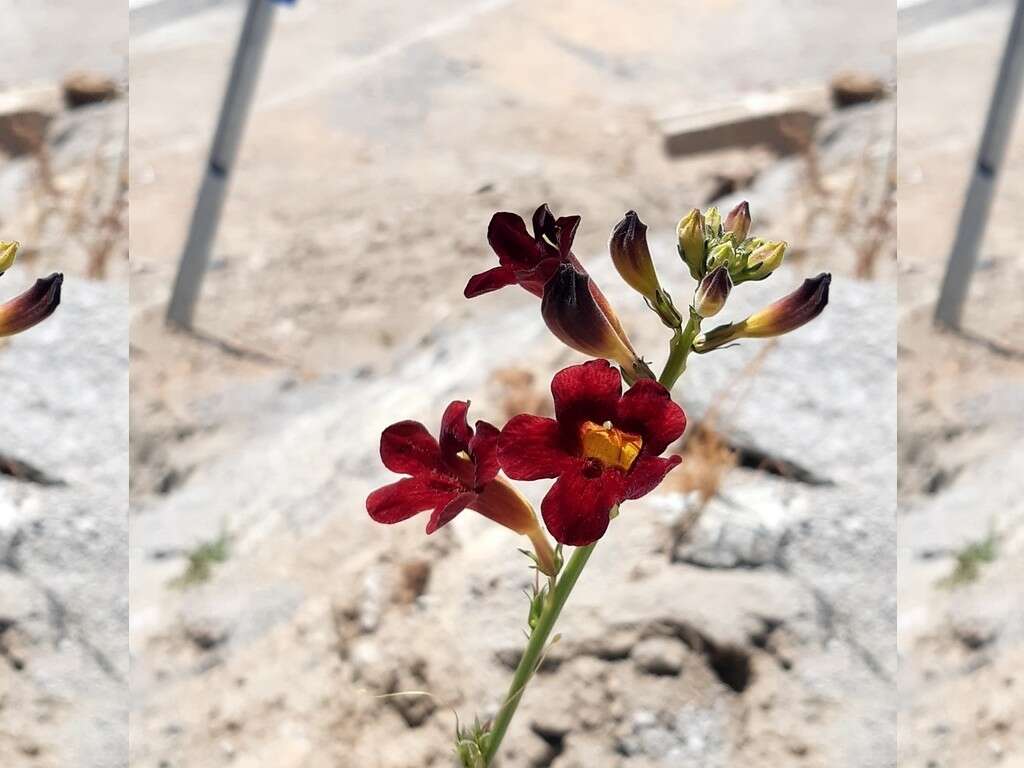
{"x": 610, "y": 446}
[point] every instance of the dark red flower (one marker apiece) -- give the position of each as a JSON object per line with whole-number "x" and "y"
{"x": 603, "y": 446}
{"x": 528, "y": 260}
{"x": 573, "y": 307}
{"x": 457, "y": 472}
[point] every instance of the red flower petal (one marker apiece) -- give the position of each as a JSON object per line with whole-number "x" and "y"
{"x": 400, "y": 501}
{"x": 483, "y": 448}
{"x": 545, "y": 225}
{"x": 586, "y": 392}
{"x": 531, "y": 447}
{"x": 536, "y": 278}
{"x": 508, "y": 237}
{"x": 409, "y": 449}
{"x": 445, "y": 514}
{"x": 647, "y": 474}
{"x": 488, "y": 281}
{"x": 576, "y": 508}
{"x": 647, "y": 409}
{"x": 566, "y": 227}
{"x": 455, "y": 431}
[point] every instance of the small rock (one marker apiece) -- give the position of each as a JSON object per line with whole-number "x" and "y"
{"x": 25, "y": 115}
{"x": 613, "y": 644}
{"x": 849, "y": 88}
{"x": 415, "y": 708}
{"x": 371, "y": 668}
{"x": 415, "y": 575}
{"x": 207, "y": 632}
{"x": 659, "y": 656}
{"x": 82, "y": 88}
{"x": 371, "y": 601}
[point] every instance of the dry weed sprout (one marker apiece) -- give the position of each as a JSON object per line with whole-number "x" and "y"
{"x": 94, "y": 212}
{"x": 865, "y": 190}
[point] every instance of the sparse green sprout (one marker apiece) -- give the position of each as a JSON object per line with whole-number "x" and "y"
{"x": 201, "y": 561}
{"x": 970, "y": 560}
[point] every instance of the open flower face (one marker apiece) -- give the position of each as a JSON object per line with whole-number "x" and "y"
{"x": 603, "y": 446}
{"x": 524, "y": 259}
{"x": 446, "y": 476}
{"x": 460, "y": 471}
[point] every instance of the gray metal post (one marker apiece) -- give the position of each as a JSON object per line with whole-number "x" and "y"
{"x": 241, "y": 85}
{"x": 998, "y": 126}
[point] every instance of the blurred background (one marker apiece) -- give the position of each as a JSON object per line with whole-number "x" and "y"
{"x": 961, "y": 630}
{"x": 64, "y": 398}
{"x": 742, "y": 613}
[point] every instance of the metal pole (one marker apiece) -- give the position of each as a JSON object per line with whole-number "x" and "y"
{"x": 241, "y": 85}
{"x": 991, "y": 153}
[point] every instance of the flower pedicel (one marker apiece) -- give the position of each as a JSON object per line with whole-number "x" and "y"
{"x": 605, "y": 446}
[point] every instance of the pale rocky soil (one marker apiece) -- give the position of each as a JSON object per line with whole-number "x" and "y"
{"x": 961, "y": 423}
{"x": 379, "y": 147}
{"x": 64, "y": 400}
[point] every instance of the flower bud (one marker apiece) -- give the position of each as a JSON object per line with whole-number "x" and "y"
{"x": 785, "y": 315}
{"x": 723, "y": 254}
{"x": 580, "y": 316}
{"x": 8, "y": 252}
{"x": 712, "y": 292}
{"x": 738, "y": 222}
{"x": 632, "y": 257}
{"x": 32, "y": 307}
{"x": 713, "y": 223}
{"x": 691, "y": 243}
{"x": 764, "y": 260}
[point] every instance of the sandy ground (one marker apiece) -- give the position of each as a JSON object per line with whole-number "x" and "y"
{"x": 960, "y": 423}
{"x": 379, "y": 146}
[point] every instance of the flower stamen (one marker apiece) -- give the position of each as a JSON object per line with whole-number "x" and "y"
{"x": 610, "y": 446}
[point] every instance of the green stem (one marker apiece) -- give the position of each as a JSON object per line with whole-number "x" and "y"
{"x": 535, "y": 647}
{"x": 679, "y": 350}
